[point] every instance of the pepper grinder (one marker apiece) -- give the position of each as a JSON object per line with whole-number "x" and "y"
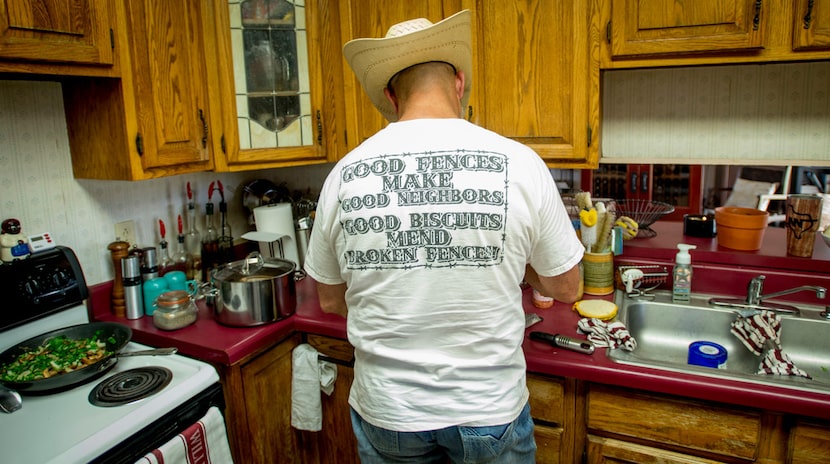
{"x": 118, "y": 250}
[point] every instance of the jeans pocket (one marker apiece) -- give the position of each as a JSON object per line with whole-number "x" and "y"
{"x": 383, "y": 440}
{"x": 483, "y": 443}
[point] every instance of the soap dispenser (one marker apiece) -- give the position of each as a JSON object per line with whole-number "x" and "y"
{"x": 682, "y": 274}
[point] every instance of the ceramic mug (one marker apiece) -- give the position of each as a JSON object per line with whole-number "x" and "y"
{"x": 176, "y": 280}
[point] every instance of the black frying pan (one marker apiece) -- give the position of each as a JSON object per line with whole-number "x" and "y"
{"x": 116, "y": 336}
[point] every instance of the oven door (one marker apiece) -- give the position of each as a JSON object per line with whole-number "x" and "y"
{"x": 165, "y": 428}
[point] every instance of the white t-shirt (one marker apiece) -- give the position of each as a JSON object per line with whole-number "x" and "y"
{"x": 430, "y": 224}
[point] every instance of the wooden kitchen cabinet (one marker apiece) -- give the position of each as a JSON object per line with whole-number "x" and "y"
{"x": 675, "y": 26}
{"x": 156, "y": 120}
{"x": 678, "y": 185}
{"x": 811, "y": 25}
{"x": 691, "y": 429}
{"x": 536, "y": 77}
{"x": 531, "y": 82}
{"x": 809, "y": 443}
{"x": 553, "y": 408}
{"x": 677, "y": 33}
{"x": 372, "y": 18}
{"x": 258, "y": 406}
{"x": 609, "y": 451}
{"x": 336, "y": 441}
{"x": 277, "y": 66}
{"x": 71, "y": 37}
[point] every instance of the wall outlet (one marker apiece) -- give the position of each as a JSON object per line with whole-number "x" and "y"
{"x": 125, "y": 232}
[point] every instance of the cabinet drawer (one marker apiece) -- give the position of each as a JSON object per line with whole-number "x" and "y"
{"x": 547, "y": 398}
{"x": 810, "y": 443}
{"x": 334, "y": 348}
{"x": 674, "y": 421}
{"x": 610, "y": 451}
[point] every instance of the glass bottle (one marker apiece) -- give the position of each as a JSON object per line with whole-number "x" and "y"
{"x": 165, "y": 261}
{"x": 193, "y": 245}
{"x": 225, "y": 237}
{"x": 182, "y": 260}
{"x": 210, "y": 243}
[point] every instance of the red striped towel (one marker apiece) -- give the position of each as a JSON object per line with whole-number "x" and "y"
{"x": 761, "y": 331}
{"x": 205, "y": 442}
{"x": 604, "y": 334}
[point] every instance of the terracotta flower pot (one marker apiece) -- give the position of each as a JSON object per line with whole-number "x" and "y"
{"x": 741, "y": 228}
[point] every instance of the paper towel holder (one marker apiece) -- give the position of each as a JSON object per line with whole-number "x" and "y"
{"x": 267, "y": 237}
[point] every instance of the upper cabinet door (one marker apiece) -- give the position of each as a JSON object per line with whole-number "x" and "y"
{"x": 676, "y": 26}
{"x": 271, "y": 83}
{"x": 811, "y": 25}
{"x": 61, "y": 31}
{"x": 372, "y": 18}
{"x": 536, "y": 77}
{"x": 168, "y": 73}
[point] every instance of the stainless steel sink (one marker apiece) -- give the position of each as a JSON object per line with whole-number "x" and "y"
{"x": 664, "y": 330}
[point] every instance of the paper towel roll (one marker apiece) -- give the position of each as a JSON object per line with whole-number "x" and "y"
{"x": 278, "y": 218}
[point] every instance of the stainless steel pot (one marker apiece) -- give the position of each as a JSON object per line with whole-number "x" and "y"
{"x": 255, "y": 291}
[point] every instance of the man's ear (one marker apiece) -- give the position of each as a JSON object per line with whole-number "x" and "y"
{"x": 392, "y": 98}
{"x": 460, "y": 80}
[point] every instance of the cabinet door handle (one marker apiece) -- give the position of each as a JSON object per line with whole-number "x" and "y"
{"x": 204, "y": 128}
{"x": 319, "y": 129}
{"x": 644, "y": 183}
{"x": 633, "y": 186}
{"x": 808, "y": 16}
{"x": 756, "y": 21}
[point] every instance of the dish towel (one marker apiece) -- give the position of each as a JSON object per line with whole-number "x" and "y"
{"x": 607, "y": 335}
{"x": 760, "y": 331}
{"x": 308, "y": 377}
{"x": 204, "y": 442}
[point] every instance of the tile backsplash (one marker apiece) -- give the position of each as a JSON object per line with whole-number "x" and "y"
{"x": 38, "y": 188}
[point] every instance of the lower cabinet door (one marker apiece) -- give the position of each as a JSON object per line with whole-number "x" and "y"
{"x": 548, "y": 443}
{"x": 810, "y": 443}
{"x": 609, "y": 451}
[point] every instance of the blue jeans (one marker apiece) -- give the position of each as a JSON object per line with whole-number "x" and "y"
{"x": 507, "y": 444}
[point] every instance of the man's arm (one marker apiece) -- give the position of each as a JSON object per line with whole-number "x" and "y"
{"x": 333, "y": 298}
{"x": 564, "y": 287}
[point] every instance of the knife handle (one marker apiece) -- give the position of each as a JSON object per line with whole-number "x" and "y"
{"x": 561, "y": 341}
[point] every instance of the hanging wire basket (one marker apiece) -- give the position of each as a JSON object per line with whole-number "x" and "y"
{"x": 645, "y": 213}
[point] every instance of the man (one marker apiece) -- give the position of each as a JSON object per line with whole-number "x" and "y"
{"x": 422, "y": 238}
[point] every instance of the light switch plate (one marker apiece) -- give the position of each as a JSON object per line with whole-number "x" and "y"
{"x": 125, "y": 232}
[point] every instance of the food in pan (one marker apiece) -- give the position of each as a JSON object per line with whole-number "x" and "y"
{"x": 55, "y": 356}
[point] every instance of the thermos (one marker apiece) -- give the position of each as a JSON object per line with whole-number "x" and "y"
{"x": 132, "y": 283}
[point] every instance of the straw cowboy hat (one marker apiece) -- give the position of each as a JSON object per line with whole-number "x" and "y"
{"x": 375, "y": 61}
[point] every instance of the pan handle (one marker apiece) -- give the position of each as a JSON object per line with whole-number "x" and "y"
{"x": 154, "y": 352}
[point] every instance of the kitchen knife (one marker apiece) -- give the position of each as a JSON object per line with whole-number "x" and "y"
{"x": 561, "y": 341}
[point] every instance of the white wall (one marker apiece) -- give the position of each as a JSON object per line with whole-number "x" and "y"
{"x": 37, "y": 186}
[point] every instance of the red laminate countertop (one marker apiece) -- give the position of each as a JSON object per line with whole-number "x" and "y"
{"x": 714, "y": 266}
{"x": 773, "y": 252}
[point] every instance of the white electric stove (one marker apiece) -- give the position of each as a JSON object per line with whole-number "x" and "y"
{"x": 65, "y": 426}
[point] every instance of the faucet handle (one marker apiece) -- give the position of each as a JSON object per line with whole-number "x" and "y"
{"x": 755, "y": 289}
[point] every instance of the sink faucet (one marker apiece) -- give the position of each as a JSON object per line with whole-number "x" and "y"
{"x": 755, "y": 297}
{"x": 755, "y": 289}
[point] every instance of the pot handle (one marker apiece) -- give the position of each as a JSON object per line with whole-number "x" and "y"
{"x": 258, "y": 262}
{"x": 299, "y": 275}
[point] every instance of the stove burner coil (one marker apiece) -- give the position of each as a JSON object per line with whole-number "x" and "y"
{"x": 130, "y": 385}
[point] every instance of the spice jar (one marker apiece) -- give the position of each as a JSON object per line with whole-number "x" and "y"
{"x": 174, "y": 310}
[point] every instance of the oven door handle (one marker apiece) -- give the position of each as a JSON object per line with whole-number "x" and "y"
{"x": 153, "y": 352}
